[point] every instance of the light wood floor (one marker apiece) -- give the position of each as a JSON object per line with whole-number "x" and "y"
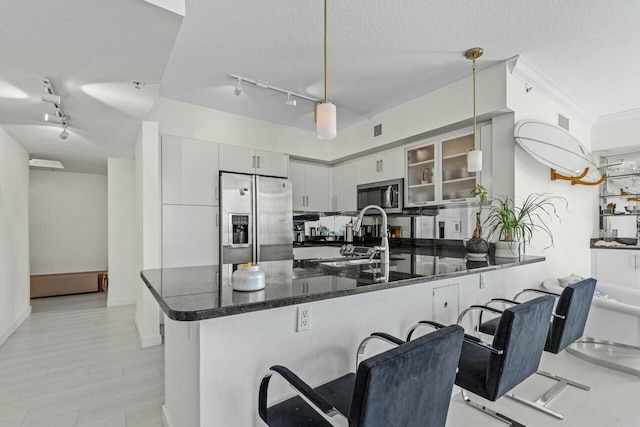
{"x": 74, "y": 362}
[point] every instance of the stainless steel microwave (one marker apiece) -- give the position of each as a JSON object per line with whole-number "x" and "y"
{"x": 386, "y": 194}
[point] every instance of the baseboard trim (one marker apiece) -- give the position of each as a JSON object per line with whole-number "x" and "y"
{"x": 4, "y": 335}
{"x": 145, "y": 342}
{"x": 166, "y": 418}
{"x": 120, "y": 301}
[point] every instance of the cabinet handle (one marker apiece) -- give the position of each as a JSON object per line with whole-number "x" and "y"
{"x": 217, "y": 195}
{"x": 381, "y": 165}
{"x": 253, "y": 162}
{"x": 217, "y": 220}
{"x": 307, "y": 201}
{"x": 258, "y": 162}
{"x": 302, "y": 200}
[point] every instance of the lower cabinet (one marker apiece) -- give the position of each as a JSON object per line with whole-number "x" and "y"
{"x": 190, "y": 236}
{"x": 445, "y": 304}
{"x": 617, "y": 266}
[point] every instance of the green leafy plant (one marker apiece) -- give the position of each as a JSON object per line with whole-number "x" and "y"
{"x": 520, "y": 223}
{"x": 481, "y": 192}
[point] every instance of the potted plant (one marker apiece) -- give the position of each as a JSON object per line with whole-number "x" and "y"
{"x": 476, "y": 246}
{"x": 516, "y": 225}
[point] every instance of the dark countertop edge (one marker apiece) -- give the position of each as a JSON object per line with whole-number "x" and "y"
{"x": 190, "y": 316}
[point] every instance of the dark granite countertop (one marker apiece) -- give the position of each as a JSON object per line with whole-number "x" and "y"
{"x": 204, "y": 292}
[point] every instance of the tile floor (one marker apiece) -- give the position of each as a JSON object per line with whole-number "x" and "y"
{"x": 74, "y": 362}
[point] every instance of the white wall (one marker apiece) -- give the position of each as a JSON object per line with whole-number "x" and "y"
{"x": 571, "y": 253}
{"x": 148, "y": 229}
{"x": 124, "y": 249}
{"x": 14, "y": 232}
{"x": 617, "y": 131}
{"x": 195, "y": 122}
{"x": 443, "y": 107}
{"x": 67, "y": 222}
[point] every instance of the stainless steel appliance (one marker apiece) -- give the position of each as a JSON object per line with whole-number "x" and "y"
{"x": 386, "y": 194}
{"x": 257, "y": 218}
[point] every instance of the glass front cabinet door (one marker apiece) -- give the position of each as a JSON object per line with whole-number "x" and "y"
{"x": 437, "y": 171}
{"x": 421, "y": 175}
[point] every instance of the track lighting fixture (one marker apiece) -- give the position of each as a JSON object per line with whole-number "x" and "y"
{"x": 264, "y": 85}
{"x": 238, "y": 90}
{"x": 49, "y": 95}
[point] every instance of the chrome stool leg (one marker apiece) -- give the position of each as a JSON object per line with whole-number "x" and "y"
{"x": 489, "y": 411}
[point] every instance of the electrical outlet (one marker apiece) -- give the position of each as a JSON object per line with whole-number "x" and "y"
{"x": 304, "y": 318}
{"x": 483, "y": 280}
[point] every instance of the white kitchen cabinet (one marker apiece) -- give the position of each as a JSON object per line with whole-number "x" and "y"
{"x": 445, "y": 304}
{"x": 617, "y": 266}
{"x": 190, "y": 236}
{"x": 344, "y": 182}
{"x": 381, "y": 166}
{"x": 310, "y": 186}
{"x": 436, "y": 171}
{"x": 234, "y": 158}
{"x": 189, "y": 172}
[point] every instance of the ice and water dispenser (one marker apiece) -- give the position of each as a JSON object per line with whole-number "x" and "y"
{"x": 240, "y": 232}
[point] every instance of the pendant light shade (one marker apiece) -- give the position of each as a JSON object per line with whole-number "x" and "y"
{"x": 474, "y": 161}
{"x": 326, "y": 120}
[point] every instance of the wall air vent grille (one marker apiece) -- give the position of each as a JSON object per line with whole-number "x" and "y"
{"x": 377, "y": 130}
{"x": 563, "y": 122}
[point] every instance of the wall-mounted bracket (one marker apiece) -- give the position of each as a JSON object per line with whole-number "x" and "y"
{"x": 576, "y": 179}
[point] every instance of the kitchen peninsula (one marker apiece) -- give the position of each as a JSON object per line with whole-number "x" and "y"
{"x": 219, "y": 342}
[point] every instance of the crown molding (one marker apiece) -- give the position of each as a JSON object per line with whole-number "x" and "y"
{"x": 526, "y": 72}
{"x": 622, "y": 115}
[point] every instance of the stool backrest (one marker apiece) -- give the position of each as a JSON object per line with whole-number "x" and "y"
{"x": 410, "y": 385}
{"x": 521, "y": 334}
{"x": 574, "y": 304}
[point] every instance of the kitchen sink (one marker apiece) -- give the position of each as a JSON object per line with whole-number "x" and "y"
{"x": 347, "y": 263}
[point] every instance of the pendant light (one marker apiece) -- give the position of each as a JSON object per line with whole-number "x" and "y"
{"x": 474, "y": 156}
{"x": 325, "y": 111}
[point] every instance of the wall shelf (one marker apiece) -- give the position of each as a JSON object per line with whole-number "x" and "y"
{"x": 468, "y": 178}
{"x": 421, "y": 185}
{"x": 454, "y": 156}
{"x": 426, "y": 162}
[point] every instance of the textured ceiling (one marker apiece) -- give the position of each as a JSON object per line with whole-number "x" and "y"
{"x": 381, "y": 53}
{"x": 384, "y": 53}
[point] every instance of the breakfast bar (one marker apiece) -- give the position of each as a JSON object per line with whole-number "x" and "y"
{"x": 219, "y": 342}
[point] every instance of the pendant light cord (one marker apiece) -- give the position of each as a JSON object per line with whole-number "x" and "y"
{"x": 325, "y": 51}
{"x": 474, "y": 106}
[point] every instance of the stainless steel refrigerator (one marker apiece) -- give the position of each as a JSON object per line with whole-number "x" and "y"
{"x": 257, "y": 218}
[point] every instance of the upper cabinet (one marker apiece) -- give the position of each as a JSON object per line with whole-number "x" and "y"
{"x": 189, "y": 172}
{"x": 310, "y": 186}
{"x": 381, "y": 166}
{"x": 247, "y": 160}
{"x": 437, "y": 171}
{"x": 344, "y": 181}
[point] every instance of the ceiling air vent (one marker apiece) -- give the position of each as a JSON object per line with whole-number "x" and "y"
{"x": 377, "y": 130}
{"x": 563, "y": 122}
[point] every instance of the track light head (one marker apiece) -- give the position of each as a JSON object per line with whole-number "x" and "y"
{"x": 290, "y": 102}
{"x": 48, "y": 97}
{"x": 65, "y": 133}
{"x": 238, "y": 90}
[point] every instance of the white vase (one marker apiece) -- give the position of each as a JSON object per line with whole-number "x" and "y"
{"x": 507, "y": 249}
